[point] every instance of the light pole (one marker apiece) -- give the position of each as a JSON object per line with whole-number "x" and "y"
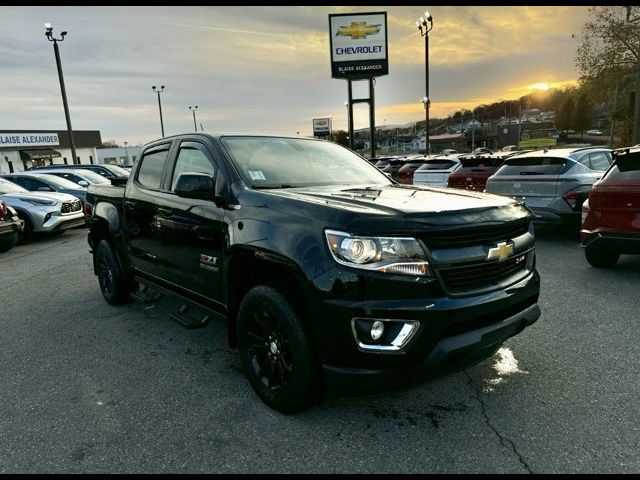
{"x": 193, "y": 110}
{"x": 48, "y": 32}
{"x": 159, "y": 91}
{"x": 425, "y": 24}
{"x": 126, "y": 154}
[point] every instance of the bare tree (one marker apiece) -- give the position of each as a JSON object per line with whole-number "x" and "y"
{"x": 610, "y": 44}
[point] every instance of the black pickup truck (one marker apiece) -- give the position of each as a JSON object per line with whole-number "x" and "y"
{"x": 332, "y": 277}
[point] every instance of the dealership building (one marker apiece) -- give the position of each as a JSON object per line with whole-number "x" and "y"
{"x": 23, "y": 149}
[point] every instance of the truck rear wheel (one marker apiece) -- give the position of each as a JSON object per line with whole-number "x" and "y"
{"x": 600, "y": 258}
{"x": 276, "y": 353}
{"x": 112, "y": 283}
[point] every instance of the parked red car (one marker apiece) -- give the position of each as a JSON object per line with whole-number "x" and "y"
{"x": 611, "y": 215}
{"x": 405, "y": 174}
{"x": 476, "y": 169}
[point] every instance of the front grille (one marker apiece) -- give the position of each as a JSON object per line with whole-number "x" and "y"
{"x": 71, "y": 207}
{"x": 481, "y": 276}
{"x": 473, "y": 237}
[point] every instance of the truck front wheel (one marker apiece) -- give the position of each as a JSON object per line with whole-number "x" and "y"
{"x": 112, "y": 283}
{"x": 276, "y": 353}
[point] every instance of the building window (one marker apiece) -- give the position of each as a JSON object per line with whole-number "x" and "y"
{"x": 91, "y": 159}
{"x": 64, "y": 159}
{"x": 10, "y": 166}
{"x": 79, "y": 162}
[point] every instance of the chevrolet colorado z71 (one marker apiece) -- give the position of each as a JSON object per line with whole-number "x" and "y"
{"x": 331, "y": 275}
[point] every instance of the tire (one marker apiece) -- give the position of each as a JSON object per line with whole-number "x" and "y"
{"x": 9, "y": 241}
{"x": 26, "y": 235}
{"x": 600, "y": 258}
{"x": 276, "y": 352}
{"x": 110, "y": 276}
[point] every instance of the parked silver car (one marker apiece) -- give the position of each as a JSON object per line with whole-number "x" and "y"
{"x": 42, "y": 211}
{"x": 552, "y": 183}
{"x": 435, "y": 171}
{"x": 43, "y": 182}
{"x": 81, "y": 177}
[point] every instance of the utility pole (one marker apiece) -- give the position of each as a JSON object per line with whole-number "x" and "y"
{"x": 159, "y": 106}
{"x": 193, "y": 110}
{"x": 48, "y": 29}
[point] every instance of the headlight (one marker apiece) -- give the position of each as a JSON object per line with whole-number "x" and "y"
{"x": 401, "y": 255}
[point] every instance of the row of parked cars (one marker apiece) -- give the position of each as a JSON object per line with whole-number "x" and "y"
{"x": 47, "y": 199}
{"x": 592, "y": 188}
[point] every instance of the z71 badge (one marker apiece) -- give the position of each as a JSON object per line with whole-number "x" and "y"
{"x": 208, "y": 262}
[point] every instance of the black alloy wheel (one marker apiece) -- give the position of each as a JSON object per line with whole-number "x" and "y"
{"x": 276, "y": 353}
{"x": 112, "y": 285}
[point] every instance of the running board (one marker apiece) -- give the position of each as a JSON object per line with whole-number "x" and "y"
{"x": 146, "y": 295}
{"x": 189, "y": 321}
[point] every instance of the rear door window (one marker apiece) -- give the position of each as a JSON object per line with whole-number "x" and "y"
{"x": 533, "y": 166}
{"x": 438, "y": 165}
{"x": 151, "y": 168}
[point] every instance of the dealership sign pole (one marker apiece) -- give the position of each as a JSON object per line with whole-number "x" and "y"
{"x": 359, "y": 52}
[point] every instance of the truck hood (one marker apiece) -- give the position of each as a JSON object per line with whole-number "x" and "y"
{"x": 395, "y": 199}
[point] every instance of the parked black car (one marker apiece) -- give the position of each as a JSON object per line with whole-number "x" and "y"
{"x": 10, "y": 227}
{"x": 329, "y": 274}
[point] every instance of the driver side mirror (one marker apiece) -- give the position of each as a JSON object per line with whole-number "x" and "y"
{"x": 83, "y": 183}
{"x": 195, "y": 185}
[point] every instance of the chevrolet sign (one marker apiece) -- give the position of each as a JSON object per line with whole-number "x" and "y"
{"x": 358, "y": 45}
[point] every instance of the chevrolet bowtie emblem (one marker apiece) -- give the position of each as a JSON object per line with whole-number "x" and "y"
{"x": 500, "y": 252}
{"x": 358, "y": 30}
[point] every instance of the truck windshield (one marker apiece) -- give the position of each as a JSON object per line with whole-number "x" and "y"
{"x": 275, "y": 162}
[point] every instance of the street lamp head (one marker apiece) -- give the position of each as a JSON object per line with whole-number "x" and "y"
{"x": 153, "y": 88}
{"x": 162, "y": 87}
{"x": 428, "y": 16}
{"x": 422, "y": 21}
{"x": 48, "y": 28}
{"x": 63, "y": 34}
{"x": 419, "y": 25}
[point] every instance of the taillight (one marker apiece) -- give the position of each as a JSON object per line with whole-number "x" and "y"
{"x": 572, "y": 198}
{"x": 585, "y": 211}
{"x": 3, "y": 210}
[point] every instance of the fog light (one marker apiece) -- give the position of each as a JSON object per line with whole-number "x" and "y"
{"x": 47, "y": 217}
{"x": 377, "y": 329}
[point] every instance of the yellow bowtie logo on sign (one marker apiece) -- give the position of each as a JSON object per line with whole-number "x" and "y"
{"x": 358, "y": 30}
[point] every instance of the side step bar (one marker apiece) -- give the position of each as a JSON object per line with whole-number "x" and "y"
{"x": 189, "y": 321}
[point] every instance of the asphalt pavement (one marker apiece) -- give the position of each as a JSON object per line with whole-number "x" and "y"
{"x": 87, "y": 387}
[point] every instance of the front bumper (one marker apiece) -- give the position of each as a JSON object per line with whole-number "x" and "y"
{"x": 452, "y": 333}
{"x": 62, "y": 222}
{"x": 449, "y": 354}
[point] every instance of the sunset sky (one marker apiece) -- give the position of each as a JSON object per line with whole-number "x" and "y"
{"x": 264, "y": 69}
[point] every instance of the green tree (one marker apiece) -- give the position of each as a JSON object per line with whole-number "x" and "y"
{"x": 584, "y": 114}
{"x": 565, "y": 116}
{"x": 610, "y": 46}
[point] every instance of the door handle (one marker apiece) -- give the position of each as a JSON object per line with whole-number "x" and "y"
{"x": 130, "y": 204}
{"x": 203, "y": 233}
{"x": 167, "y": 212}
